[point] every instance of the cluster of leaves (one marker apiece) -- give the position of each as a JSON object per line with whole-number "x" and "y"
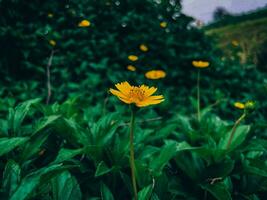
{"x": 70, "y": 151}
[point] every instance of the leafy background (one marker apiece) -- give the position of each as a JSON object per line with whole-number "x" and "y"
{"x": 76, "y": 147}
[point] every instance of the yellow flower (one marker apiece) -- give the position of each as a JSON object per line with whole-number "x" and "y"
{"x": 84, "y": 23}
{"x": 132, "y": 58}
{"x": 141, "y": 96}
{"x": 249, "y": 105}
{"x": 50, "y": 15}
{"x": 239, "y": 105}
{"x": 200, "y": 64}
{"x": 163, "y": 24}
{"x": 235, "y": 43}
{"x": 52, "y": 42}
{"x": 131, "y": 68}
{"x": 155, "y": 74}
{"x": 143, "y": 47}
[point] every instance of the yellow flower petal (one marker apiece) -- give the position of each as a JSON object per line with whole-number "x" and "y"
{"x": 131, "y": 68}
{"x": 133, "y": 58}
{"x": 124, "y": 87}
{"x": 239, "y": 105}
{"x": 155, "y": 74}
{"x": 139, "y": 95}
{"x": 147, "y": 103}
{"x": 155, "y": 97}
{"x": 150, "y": 91}
{"x": 163, "y": 24}
{"x": 52, "y": 42}
{"x": 84, "y": 23}
{"x": 117, "y": 93}
{"x": 200, "y": 64}
{"x": 143, "y": 47}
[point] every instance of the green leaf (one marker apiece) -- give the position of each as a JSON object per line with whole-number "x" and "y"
{"x": 65, "y": 187}
{"x": 191, "y": 164}
{"x": 3, "y": 127}
{"x": 102, "y": 169}
{"x": 126, "y": 180}
{"x": 145, "y": 193}
{"x": 239, "y": 137}
{"x": 66, "y": 154}
{"x": 11, "y": 176}
{"x": 33, "y": 145}
{"x": 166, "y": 153}
{"x": 71, "y": 130}
{"x": 218, "y": 190}
{"x": 31, "y": 181}
{"x": 104, "y": 130}
{"x": 221, "y": 169}
{"x": 164, "y": 132}
{"x": 106, "y": 193}
{"x": 20, "y": 113}
{"x": 8, "y": 144}
{"x": 44, "y": 123}
{"x": 255, "y": 166}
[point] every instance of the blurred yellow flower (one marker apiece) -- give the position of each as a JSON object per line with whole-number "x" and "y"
{"x": 131, "y": 68}
{"x": 132, "y": 58}
{"x": 84, "y": 23}
{"x": 249, "y": 105}
{"x": 200, "y": 64}
{"x": 155, "y": 74}
{"x": 141, "y": 96}
{"x": 235, "y": 43}
{"x": 52, "y": 42}
{"x": 163, "y": 24}
{"x": 239, "y": 105}
{"x": 143, "y": 47}
{"x": 50, "y": 15}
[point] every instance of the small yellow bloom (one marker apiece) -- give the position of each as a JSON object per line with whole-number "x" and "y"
{"x": 131, "y": 68}
{"x": 200, "y": 64}
{"x": 141, "y": 96}
{"x": 50, "y": 15}
{"x": 132, "y": 58}
{"x": 163, "y": 24}
{"x": 235, "y": 43}
{"x": 239, "y": 105}
{"x": 155, "y": 74}
{"x": 52, "y": 42}
{"x": 143, "y": 47}
{"x": 84, "y": 23}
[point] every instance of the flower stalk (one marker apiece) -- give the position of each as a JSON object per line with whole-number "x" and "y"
{"x": 132, "y": 162}
{"x": 234, "y": 129}
{"x": 198, "y": 95}
{"x": 48, "y": 76}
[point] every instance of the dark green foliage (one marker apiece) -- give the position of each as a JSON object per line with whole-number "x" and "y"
{"x": 77, "y": 145}
{"x": 189, "y": 160}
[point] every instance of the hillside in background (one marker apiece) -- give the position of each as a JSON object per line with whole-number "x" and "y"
{"x": 244, "y": 36}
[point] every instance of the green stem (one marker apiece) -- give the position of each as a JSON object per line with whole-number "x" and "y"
{"x": 198, "y": 95}
{"x": 234, "y": 129}
{"x": 132, "y": 152}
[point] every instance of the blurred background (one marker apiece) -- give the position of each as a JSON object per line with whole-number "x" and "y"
{"x": 84, "y": 47}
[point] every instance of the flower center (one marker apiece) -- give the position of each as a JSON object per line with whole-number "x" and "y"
{"x": 136, "y": 93}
